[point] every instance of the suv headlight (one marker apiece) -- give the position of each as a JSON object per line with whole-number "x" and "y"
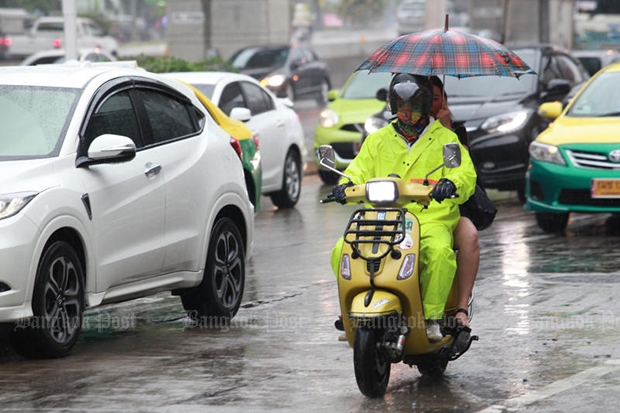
{"x": 273, "y": 81}
{"x": 507, "y": 122}
{"x": 373, "y": 124}
{"x": 328, "y": 118}
{"x": 11, "y": 204}
{"x": 546, "y": 153}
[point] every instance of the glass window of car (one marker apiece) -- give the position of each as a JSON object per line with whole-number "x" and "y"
{"x": 116, "y": 115}
{"x": 258, "y": 100}
{"x": 599, "y": 98}
{"x": 551, "y": 70}
{"x": 34, "y": 120}
{"x": 570, "y": 70}
{"x": 253, "y": 58}
{"x": 364, "y": 85}
{"x": 592, "y": 64}
{"x": 232, "y": 98}
{"x": 169, "y": 118}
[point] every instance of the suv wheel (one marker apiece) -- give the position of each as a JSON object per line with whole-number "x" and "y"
{"x": 329, "y": 177}
{"x": 221, "y": 290}
{"x": 57, "y": 305}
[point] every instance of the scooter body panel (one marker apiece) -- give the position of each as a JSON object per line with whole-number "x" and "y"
{"x": 391, "y": 295}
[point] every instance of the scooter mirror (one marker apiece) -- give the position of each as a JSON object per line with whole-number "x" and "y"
{"x": 327, "y": 159}
{"x": 326, "y": 156}
{"x": 451, "y": 155}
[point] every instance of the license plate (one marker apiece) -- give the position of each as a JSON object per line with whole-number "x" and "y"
{"x": 606, "y": 188}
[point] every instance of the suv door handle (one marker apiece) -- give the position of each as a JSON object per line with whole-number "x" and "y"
{"x": 152, "y": 170}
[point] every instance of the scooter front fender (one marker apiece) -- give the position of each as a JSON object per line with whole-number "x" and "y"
{"x": 383, "y": 303}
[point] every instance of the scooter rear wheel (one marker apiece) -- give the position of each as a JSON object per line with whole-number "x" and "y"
{"x": 372, "y": 368}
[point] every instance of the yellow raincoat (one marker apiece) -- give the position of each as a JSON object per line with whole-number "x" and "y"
{"x": 385, "y": 152}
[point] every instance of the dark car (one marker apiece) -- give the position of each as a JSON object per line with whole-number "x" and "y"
{"x": 288, "y": 71}
{"x": 500, "y": 113}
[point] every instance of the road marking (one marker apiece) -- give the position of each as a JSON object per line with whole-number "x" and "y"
{"x": 555, "y": 388}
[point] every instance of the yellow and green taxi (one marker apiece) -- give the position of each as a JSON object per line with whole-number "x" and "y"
{"x": 341, "y": 123}
{"x": 575, "y": 162}
{"x": 245, "y": 144}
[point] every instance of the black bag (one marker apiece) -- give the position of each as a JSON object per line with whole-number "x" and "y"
{"x": 480, "y": 209}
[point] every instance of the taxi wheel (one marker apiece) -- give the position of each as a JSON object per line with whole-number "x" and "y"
{"x": 550, "y": 222}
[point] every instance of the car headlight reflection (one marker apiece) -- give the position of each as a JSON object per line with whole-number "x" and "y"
{"x": 373, "y": 124}
{"x": 546, "y": 153}
{"x": 328, "y": 118}
{"x": 11, "y": 204}
{"x": 273, "y": 81}
{"x": 507, "y": 122}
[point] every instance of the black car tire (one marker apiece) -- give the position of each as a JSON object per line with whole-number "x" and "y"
{"x": 57, "y": 306}
{"x": 322, "y": 94}
{"x": 288, "y": 196}
{"x": 219, "y": 295}
{"x": 289, "y": 92}
{"x": 552, "y": 223}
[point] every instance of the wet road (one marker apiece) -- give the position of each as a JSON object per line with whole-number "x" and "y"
{"x": 545, "y": 311}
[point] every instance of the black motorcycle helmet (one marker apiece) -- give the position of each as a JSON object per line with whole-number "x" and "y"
{"x": 415, "y": 89}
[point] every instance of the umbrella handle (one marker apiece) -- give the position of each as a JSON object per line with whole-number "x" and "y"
{"x": 446, "y": 24}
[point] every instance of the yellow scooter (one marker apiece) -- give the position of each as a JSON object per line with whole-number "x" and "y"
{"x": 378, "y": 282}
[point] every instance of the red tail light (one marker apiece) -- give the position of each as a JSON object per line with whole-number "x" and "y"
{"x": 6, "y": 41}
{"x": 57, "y": 43}
{"x": 236, "y": 146}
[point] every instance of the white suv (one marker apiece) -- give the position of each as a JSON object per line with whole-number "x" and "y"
{"x": 116, "y": 183}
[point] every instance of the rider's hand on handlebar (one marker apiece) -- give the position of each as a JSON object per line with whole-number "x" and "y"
{"x": 339, "y": 194}
{"x": 445, "y": 188}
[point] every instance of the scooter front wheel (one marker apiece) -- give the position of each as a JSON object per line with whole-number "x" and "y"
{"x": 372, "y": 367}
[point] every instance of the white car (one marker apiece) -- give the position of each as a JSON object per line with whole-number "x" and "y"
{"x": 59, "y": 56}
{"x": 272, "y": 120}
{"x": 116, "y": 184}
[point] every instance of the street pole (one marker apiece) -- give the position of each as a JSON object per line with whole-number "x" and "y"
{"x": 69, "y": 12}
{"x": 435, "y": 14}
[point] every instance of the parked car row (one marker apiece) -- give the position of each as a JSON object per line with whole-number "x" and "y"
{"x": 500, "y": 113}
{"x": 121, "y": 183}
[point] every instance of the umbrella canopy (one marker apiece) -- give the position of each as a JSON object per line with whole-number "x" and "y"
{"x": 446, "y": 52}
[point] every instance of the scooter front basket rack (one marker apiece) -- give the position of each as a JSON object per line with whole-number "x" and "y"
{"x": 376, "y": 226}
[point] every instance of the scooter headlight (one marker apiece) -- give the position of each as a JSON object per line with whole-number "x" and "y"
{"x": 407, "y": 267}
{"x": 381, "y": 191}
{"x": 345, "y": 267}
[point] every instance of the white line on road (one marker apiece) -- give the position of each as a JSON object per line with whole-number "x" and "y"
{"x": 555, "y": 388}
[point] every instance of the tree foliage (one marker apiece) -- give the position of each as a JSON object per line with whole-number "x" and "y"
{"x": 174, "y": 64}
{"x": 361, "y": 12}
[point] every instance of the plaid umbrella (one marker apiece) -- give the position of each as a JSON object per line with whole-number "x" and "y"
{"x": 446, "y": 52}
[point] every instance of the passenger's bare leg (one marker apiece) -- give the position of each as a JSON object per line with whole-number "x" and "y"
{"x": 468, "y": 261}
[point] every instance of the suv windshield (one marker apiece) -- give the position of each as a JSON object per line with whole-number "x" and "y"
{"x": 364, "y": 85}
{"x": 254, "y": 58}
{"x": 33, "y": 120}
{"x": 600, "y": 98}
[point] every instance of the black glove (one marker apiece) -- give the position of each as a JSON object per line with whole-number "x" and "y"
{"x": 445, "y": 188}
{"x": 338, "y": 192}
